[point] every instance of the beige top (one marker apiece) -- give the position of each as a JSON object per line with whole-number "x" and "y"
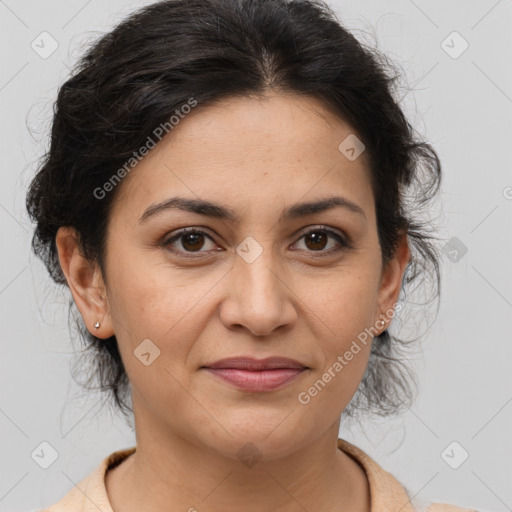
{"x": 386, "y": 493}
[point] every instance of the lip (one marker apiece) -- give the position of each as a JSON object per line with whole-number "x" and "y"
{"x": 254, "y": 380}
{"x": 257, "y": 375}
{"x": 252, "y": 364}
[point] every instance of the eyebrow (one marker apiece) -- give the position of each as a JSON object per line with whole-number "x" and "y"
{"x": 210, "y": 209}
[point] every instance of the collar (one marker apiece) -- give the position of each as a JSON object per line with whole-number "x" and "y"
{"x": 90, "y": 495}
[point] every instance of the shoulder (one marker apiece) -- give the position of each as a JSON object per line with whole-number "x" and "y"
{"x": 90, "y": 493}
{"x": 387, "y": 493}
{"x": 446, "y": 507}
{"x": 426, "y": 505}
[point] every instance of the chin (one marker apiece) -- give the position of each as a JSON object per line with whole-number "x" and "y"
{"x": 255, "y": 442}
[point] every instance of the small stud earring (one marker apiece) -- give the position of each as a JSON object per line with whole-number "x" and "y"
{"x": 381, "y": 322}
{"x": 97, "y": 325}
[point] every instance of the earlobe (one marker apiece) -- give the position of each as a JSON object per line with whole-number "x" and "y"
{"x": 85, "y": 283}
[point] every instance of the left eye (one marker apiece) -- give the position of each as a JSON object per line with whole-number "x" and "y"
{"x": 316, "y": 240}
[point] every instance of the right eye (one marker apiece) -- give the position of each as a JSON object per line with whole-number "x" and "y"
{"x": 188, "y": 240}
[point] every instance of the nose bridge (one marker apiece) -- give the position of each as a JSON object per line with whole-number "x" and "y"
{"x": 259, "y": 278}
{"x": 253, "y": 266}
{"x": 258, "y": 299}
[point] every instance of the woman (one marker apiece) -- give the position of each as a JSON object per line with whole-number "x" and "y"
{"x": 225, "y": 196}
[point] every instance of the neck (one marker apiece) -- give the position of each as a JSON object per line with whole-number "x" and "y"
{"x": 178, "y": 474}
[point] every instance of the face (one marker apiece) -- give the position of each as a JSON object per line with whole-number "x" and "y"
{"x": 246, "y": 280}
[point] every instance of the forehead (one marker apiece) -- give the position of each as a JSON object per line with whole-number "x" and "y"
{"x": 278, "y": 148}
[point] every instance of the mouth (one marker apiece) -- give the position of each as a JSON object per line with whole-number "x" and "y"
{"x": 256, "y": 375}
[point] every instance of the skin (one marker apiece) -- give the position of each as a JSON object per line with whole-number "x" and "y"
{"x": 257, "y": 156}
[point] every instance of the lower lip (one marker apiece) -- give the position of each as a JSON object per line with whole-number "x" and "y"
{"x": 265, "y": 380}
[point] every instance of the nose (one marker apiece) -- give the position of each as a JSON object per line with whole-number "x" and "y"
{"x": 258, "y": 299}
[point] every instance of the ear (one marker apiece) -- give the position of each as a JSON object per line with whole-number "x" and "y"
{"x": 391, "y": 280}
{"x": 85, "y": 282}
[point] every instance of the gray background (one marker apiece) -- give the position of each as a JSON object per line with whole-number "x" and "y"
{"x": 463, "y": 105}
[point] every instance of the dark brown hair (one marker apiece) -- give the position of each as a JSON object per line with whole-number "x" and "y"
{"x": 133, "y": 78}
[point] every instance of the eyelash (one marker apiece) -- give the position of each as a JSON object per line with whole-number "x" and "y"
{"x": 343, "y": 242}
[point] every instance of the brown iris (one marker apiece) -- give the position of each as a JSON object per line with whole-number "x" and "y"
{"x": 192, "y": 241}
{"x": 318, "y": 239}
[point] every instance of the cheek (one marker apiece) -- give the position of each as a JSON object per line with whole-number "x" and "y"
{"x": 344, "y": 307}
{"x": 161, "y": 306}
{"x": 149, "y": 299}
{"x": 344, "y": 301}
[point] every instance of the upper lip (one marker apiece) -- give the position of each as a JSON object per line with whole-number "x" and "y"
{"x": 252, "y": 364}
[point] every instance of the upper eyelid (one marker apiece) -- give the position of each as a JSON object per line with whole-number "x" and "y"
{"x": 300, "y": 233}
{"x": 321, "y": 227}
